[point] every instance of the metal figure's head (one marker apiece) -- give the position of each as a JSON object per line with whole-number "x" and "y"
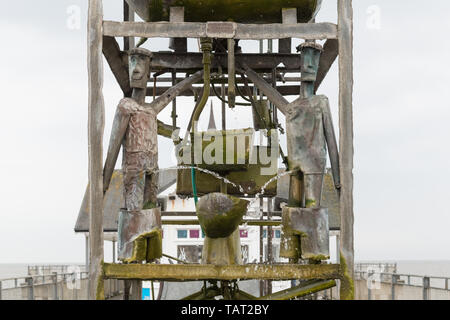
{"x": 310, "y": 58}
{"x": 139, "y": 67}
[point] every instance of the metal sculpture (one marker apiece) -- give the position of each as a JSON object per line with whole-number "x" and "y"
{"x": 308, "y": 126}
{"x": 135, "y": 128}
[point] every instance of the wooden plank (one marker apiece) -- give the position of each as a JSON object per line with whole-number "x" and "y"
{"x": 192, "y": 272}
{"x": 191, "y": 61}
{"x": 308, "y": 31}
{"x": 194, "y": 222}
{"x": 119, "y": 68}
{"x": 95, "y": 138}
{"x": 290, "y": 90}
{"x": 329, "y": 55}
{"x": 345, "y": 22}
{"x": 128, "y": 15}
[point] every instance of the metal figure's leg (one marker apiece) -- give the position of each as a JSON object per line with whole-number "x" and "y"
{"x": 151, "y": 191}
{"x": 134, "y": 185}
{"x": 313, "y": 190}
{"x": 296, "y": 190}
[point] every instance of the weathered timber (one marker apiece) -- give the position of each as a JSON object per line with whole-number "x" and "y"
{"x": 329, "y": 55}
{"x": 230, "y": 10}
{"x": 192, "y": 61}
{"x": 283, "y": 90}
{"x": 225, "y": 30}
{"x": 128, "y": 15}
{"x": 345, "y": 22}
{"x": 194, "y": 222}
{"x": 95, "y": 138}
{"x": 300, "y": 291}
{"x": 115, "y": 59}
{"x": 190, "y": 272}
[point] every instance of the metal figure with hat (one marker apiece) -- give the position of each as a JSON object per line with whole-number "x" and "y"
{"x": 135, "y": 129}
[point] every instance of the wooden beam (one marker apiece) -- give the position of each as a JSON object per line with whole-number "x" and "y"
{"x": 95, "y": 137}
{"x": 184, "y": 62}
{"x": 115, "y": 59}
{"x": 224, "y": 30}
{"x": 345, "y": 22}
{"x": 128, "y": 15}
{"x": 194, "y": 222}
{"x": 329, "y": 55}
{"x": 193, "y": 272}
{"x": 290, "y": 90}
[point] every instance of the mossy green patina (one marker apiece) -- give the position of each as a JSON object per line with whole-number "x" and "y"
{"x": 243, "y": 11}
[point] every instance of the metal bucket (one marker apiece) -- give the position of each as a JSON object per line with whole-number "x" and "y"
{"x": 242, "y": 11}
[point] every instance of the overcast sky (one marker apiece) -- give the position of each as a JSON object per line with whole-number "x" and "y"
{"x": 401, "y": 115}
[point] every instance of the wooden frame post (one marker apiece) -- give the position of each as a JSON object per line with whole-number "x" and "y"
{"x": 95, "y": 140}
{"x": 345, "y": 37}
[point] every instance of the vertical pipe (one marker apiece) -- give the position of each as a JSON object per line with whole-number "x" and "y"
{"x": 174, "y": 102}
{"x": 345, "y": 37}
{"x": 231, "y": 74}
{"x": 95, "y": 140}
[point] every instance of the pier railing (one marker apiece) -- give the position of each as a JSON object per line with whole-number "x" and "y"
{"x": 370, "y": 285}
{"x": 55, "y": 286}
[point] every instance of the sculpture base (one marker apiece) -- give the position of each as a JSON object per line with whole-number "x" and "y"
{"x": 223, "y": 251}
{"x": 305, "y": 234}
{"x": 140, "y": 235}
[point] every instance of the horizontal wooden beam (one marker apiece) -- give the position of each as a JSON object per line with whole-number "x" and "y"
{"x": 195, "y": 272}
{"x": 192, "y": 61}
{"x": 193, "y": 222}
{"x": 284, "y": 90}
{"x": 225, "y": 30}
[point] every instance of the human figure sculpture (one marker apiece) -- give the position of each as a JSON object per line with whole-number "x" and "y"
{"x": 135, "y": 128}
{"x": 310, "y": 131}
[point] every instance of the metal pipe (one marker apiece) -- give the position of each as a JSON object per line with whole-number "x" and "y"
{"x": 231, "y": 74}
{"x": 206, "y": 47}
{"x": 305, "y": 289}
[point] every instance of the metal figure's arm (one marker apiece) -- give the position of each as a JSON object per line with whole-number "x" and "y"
{"x": 271, "y": 93}
{"x": 161, "y": 102}
{"x": 119, "y": 128}
{"x": 331, "y": 142}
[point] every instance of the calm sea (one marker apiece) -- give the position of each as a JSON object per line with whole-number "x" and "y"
{"x": 424, "y": 268}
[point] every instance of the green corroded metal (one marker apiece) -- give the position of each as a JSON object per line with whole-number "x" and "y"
{"x": 194, "y": 272}
{"x": 347, "y": 290}
{"x": 303, "y": 290}
{"x": 251, "y": 180}
{"x": 191, "y": 222}
{"x": 220, "y": 214}
{"x": 147, "y": 247}
{"x": 243, "y": 11}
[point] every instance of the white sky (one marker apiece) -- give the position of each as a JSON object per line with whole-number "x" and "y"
{"x": 401, "y": 114}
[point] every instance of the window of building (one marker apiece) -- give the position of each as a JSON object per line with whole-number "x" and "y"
{"x": 194, "y": 234}
{"x": 182, "y": 234}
